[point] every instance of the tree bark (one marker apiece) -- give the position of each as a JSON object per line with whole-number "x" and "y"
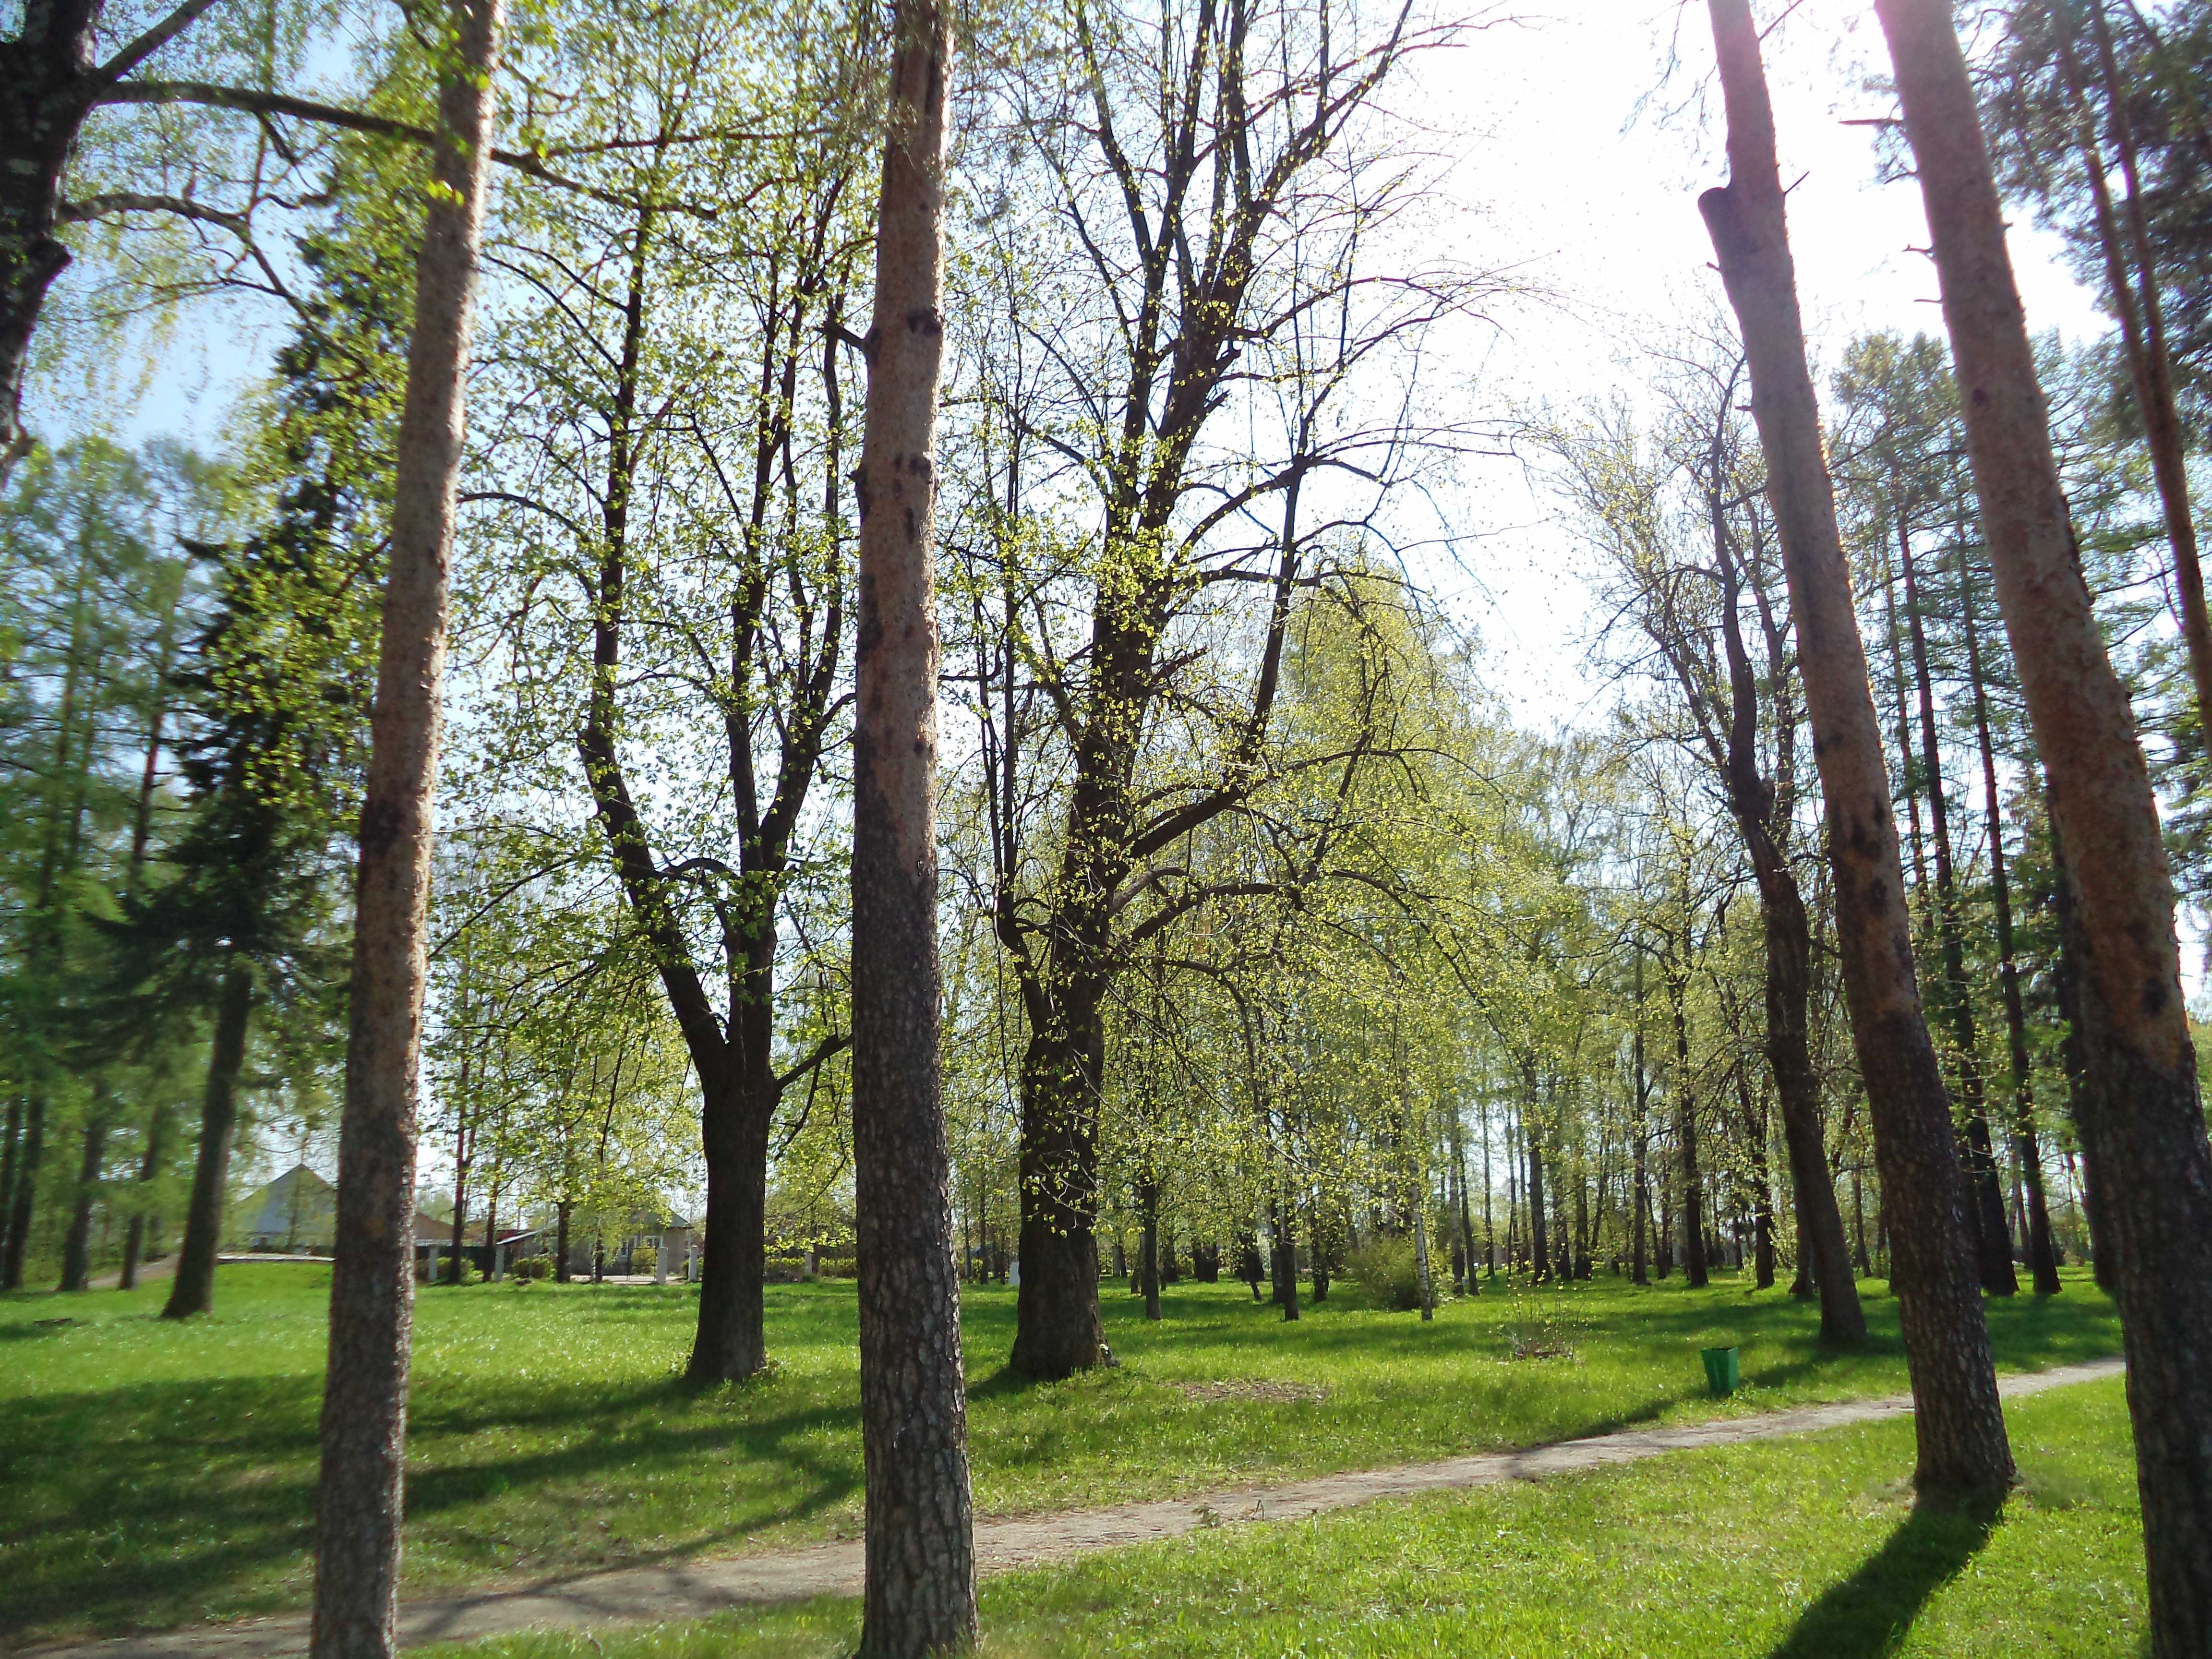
{"x": 45, "y": 91}
{"x": 364, "y": 1417}
{"x": 24, "y": 1196}
{"x": 192, "y": 1290}
{"x": 1057, "y": 1329}
{"x": 2142, "y": 1118}
{"x": 920, "y": 1592}
{"x": 1148, "y": 1254}
{"x": 1283, "y": 1256}
{"x": 2142, "y": 318}
{"x": 149, "y": 1169}
{"x": 1958, "y": 1422}
{"x": 1762, "y": 1215}
{"x": 1992, "y": 1242}
{"x": 76, "y": 1245}
{"x": 11, "y": 1145}
{"x": 1686, "y": 1126}
{"x": 1640, "y": 1270}
{"x": 1539, "y": 1242}
{"x": 1788, "y": 938}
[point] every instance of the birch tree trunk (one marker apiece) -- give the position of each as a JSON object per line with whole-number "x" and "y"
{"x": 364, "y": 1421}
{"x": 920, "y": 1593}
{"x": 1957, "y": 1419}
{"x": 2142, "y": 1122}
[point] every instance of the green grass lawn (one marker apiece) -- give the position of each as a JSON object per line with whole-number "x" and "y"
{"x": 153, "y": 1474}
{"x": 1799, "y": 1549}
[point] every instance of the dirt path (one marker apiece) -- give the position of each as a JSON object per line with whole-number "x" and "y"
{"x": 695, "y": 1590}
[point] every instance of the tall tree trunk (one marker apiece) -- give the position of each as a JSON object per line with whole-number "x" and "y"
{"x": 1686, "y": 1131}
{"x": 2043, "y": 1259}
{"x": 45, "y": 91}
{"x": 562, "y": 1212}
{"x": 23, "y": 1200}
{"x": 2142, "y": 1122}
{"x": 1640, "y": 1270}
{"x": 1788, "y": 984}
{"x": 918, "y": 1597}
{"x": 11, "y": 1146}
{"x": 76, "y": 1246}
{"x": 1958, "y": 1421}
{"x": 364, "y": 1419}
{"x": 135, "y": 1238}
{"x": 1539, "y": 1243}
{"x": 2141, "y": 317}
{"x": 1993, "y": 1244}
{"x": 1057, "y": 1330}
{"x": 1762, "y": 1213}
{"x": 1282, "y": 1255}
{"x": 192, "y": 1290}
{"x": 1148, "y": 1260}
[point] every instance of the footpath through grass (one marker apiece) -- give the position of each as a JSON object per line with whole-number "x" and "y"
{"x": 1792, "y": 1549}
{"x": 155, "y": 1475}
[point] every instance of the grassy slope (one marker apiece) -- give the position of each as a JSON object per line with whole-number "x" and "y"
{"x": 1806, "y": 1549}
{"x": 153, "y": 1474}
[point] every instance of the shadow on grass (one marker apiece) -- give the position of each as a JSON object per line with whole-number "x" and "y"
{"x": 216, "y": 1494}
{"x": 1003, "y": 1383}
{"x": 1868, "y": 1615}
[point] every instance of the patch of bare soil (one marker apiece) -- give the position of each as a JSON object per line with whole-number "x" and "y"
{"x": 1252, "y": 1388}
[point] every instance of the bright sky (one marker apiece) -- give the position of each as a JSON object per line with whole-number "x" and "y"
{"x": 1599, "y": 205}
{"x": 1584, "y": 200}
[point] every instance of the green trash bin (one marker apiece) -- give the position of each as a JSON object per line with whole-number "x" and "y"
{"x": 1722, "y": 1374}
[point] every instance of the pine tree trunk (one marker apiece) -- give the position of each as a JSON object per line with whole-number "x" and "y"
{"x": 2137, "y": 307}
{"x": 192, "y": 1290}
{"x": 2142, "y": 1122}
{"x": 920, "y": 1592}
{"x": 364, "y": 1417}
{"x": 1958, "y": 1421}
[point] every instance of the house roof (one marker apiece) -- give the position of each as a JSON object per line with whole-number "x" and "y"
{"x": 298, "y": 1200}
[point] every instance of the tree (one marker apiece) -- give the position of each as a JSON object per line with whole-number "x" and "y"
{"x": 364, "y": 1424}
{"x": 1958, "y": 1422}
{"x": 918, "y": 1596}
{"x": 2143, "y": 1127}
{"x": 664, "y": 556}
{"x": 1682, "y": 605}
{"x": 1195, "y": 244}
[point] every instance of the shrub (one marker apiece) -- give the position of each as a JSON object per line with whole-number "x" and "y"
{"x": 644, "y": 1259}
{"x": 524, "y": 1268}
{"x": 1541, "y": 1323}
{"x": 1387, "y": 1270}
